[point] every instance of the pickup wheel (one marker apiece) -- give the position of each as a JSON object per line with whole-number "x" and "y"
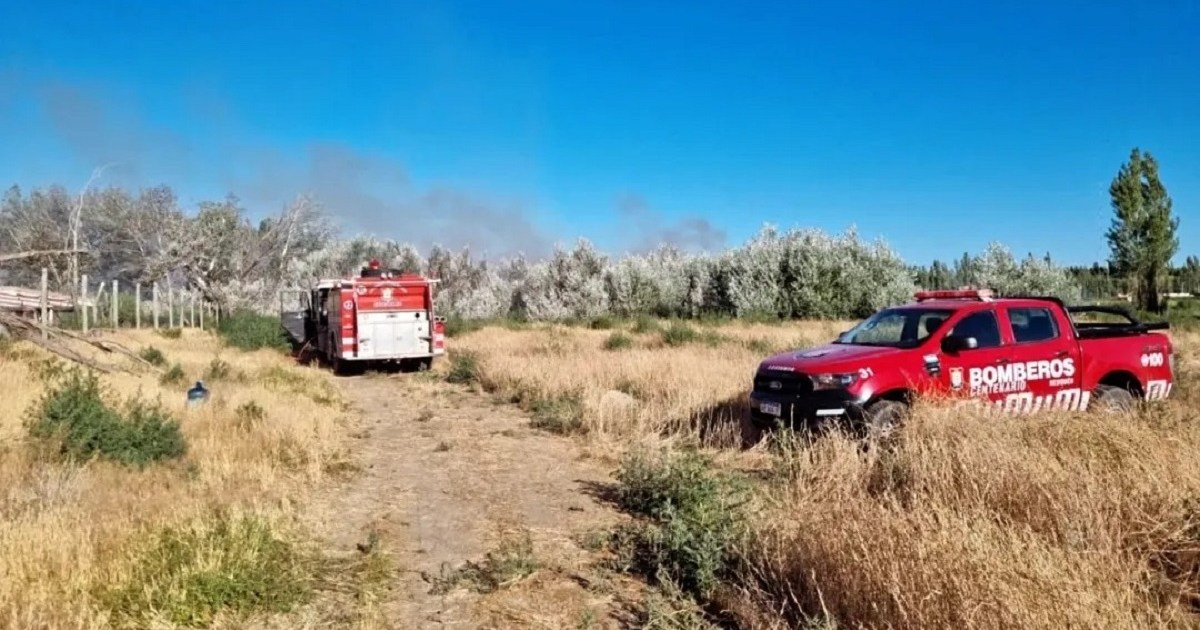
{"x": 883, "y": 417}
{"x": 1112, "y": 399}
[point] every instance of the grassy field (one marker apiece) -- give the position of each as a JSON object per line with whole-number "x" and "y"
{"x": 1055, "y": 520}
{"x": 149, "y": 514}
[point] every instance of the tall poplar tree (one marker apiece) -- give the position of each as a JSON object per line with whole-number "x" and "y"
{"x": 1142, "y": 238}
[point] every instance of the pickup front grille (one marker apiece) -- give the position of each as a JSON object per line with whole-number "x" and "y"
{"x": 783, "y": 383}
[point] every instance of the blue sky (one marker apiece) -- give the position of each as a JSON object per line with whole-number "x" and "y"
{"x": 931, "y": 124}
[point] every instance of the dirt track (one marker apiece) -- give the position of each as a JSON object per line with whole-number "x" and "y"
{"x": 446, "y": 474}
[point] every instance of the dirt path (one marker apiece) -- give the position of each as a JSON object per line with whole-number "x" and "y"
{"x": 449, "y": 475}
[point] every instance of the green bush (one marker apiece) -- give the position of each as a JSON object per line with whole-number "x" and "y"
{"x": 170, "y": 333}
{"x": 218, "y": 370}
{"x": 618, "y": 341}
{"x": 510, "y": 562}
{"x": 153, "y": 356}
{"x": 74, "y": 418}
{"x": 563, "y": 415}
{"x": 464, "y": 368}
{"x": 679, "y": 334}
{"x": 456, "y": 326}
{"x": 646, "y": 324}
{"x": 247, "y": 330}
{"x": 691, "y": 517}
{"x": 173, "y": 376}
{"x": 602, "y": 322}
{"x": 188, "y": 575}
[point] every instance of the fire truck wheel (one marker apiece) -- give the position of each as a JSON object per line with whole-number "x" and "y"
{"x": 883, "y": 417}
{"x": 1112, "y": 399}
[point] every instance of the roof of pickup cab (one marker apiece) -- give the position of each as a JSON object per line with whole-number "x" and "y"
{"x": 955, "y": 304}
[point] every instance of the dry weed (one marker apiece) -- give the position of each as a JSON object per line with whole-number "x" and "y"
{"x": 969, "y": 520}
{"x": 64, "y": 529}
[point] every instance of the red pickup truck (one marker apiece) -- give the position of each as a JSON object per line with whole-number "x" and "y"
{"x": 1018, "y": 354}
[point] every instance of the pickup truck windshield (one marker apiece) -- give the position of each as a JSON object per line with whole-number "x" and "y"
{"x": 896, "y": 327}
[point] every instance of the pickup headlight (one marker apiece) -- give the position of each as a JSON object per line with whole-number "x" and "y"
{"x": 833, "y": 381}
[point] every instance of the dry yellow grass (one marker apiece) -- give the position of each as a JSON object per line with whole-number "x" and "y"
{"x": 969, "y": 520}
{"x": 66, "y": 529}
{"x": 681, "y": 390}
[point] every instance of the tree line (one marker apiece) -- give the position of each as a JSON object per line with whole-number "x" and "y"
{"x": 217, "y": 250}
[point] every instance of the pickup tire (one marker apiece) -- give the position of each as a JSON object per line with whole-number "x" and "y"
{"x": 1112, "y": 399}
{"x": 882, "y": 417}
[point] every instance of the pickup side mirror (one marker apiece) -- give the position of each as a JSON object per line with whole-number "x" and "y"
{"x": 953, "y": 344}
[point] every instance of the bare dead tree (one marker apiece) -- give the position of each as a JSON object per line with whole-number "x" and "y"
{"x": 77, "y": 220}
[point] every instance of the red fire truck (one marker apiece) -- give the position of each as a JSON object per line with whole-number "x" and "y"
{"x": 382, "y": 316}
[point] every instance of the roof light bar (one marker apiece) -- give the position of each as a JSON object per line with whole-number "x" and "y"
{"x": 983, "y": 295}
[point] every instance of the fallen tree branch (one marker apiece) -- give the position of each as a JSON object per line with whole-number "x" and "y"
{"x": 40, "y": 252}
{"x": 32, "y": 332}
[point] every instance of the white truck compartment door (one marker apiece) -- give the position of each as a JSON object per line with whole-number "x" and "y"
{"x": 393, "y": 334}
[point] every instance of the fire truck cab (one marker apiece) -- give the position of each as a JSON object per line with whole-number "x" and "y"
{"x": 382, "y": 316}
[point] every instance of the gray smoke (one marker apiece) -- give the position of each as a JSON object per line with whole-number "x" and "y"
{"x": 652, "y": 228}
{"x": 363, "y": 192}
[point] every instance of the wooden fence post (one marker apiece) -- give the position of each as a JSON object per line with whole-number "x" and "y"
{"x": 154, "y": 300}
{"x": 83, "y": 309}
{"x": 116, "y": 307}
{"x": 137, "y": 310}
{"x": 45, "y": 303}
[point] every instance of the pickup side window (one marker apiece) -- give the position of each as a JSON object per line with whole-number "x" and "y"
{"x": 1032, "y": 324}
{"x": 982, "y": 326}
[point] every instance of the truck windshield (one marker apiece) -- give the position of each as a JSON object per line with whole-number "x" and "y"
{"x": 896, "y": 327}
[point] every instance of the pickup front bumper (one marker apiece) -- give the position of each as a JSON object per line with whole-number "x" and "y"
{"x": 812, "y": 411}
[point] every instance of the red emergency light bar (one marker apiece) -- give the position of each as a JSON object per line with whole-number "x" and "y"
{"x": 961, "y": 294}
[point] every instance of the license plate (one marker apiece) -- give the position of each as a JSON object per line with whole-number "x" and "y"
{"x": 772, "y": 408}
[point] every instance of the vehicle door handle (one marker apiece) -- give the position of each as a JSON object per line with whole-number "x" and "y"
{"x": 1002, "y": 360}
{"x": 1060, "y": 354}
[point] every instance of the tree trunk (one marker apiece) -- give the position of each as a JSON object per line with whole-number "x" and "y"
{"x": 1148, "y": 292}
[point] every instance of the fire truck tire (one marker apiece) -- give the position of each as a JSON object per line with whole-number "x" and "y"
{"x": 883, "y": 417}
{"x": 1112, "y": 399}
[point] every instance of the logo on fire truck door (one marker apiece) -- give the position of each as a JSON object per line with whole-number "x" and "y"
{"x": 956, "y": 377}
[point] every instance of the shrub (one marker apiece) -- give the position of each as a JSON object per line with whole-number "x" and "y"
{"x": 464, "y": 368}
{"x": 563, "y": 415}
{"x": 169, "y": 333}
{"x": 153, "y": 356}
{"x": 603, "y": 322}
{"x": 173, "y": 376}
{"x": 188, "y": 575}
{"x": 247, "y": 330}
{"x": 690, "y": 518}
{"x": 74, "y": 417}
{"x": 218, "y": 370}
{"x": 646, "y": 324}
{"x": 618, "y": 341}
{"x": 511, "y": 561}
{"x": 679, "y": 334}
{"x": 249, "y": 414}
{"x": 457, "y": 326}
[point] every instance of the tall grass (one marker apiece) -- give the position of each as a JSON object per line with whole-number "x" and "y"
{"x": 967, "y": 520}
{"x": 71, "y": 530}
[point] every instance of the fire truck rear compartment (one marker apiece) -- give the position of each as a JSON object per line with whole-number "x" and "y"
{"x": 393, "y": 335}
